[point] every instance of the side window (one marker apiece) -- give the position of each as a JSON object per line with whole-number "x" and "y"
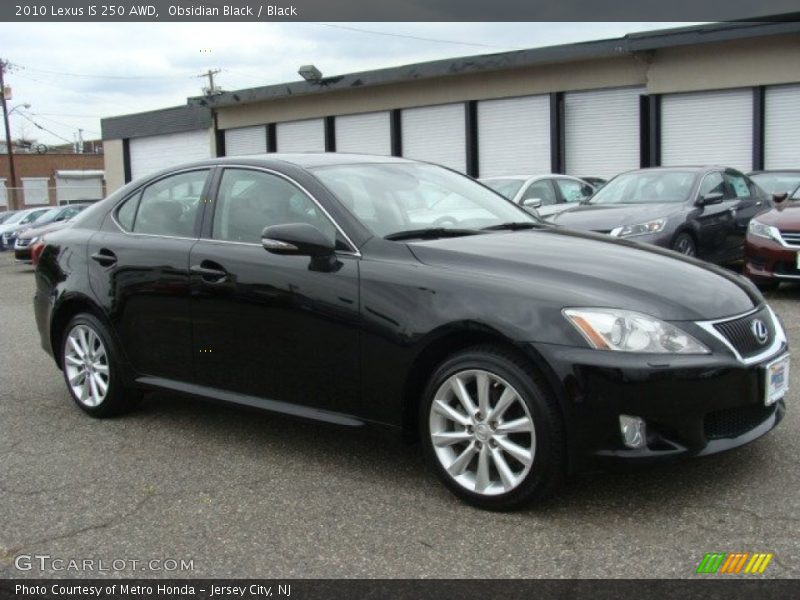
{"x": 169, "y": 206}
{"x": 249, "y": 200}
{"x": 127, "y": 212}
{"x": 541, "y": 190}
{"x": 573, "y": 191}
{"x": 712, "y": 184}
{"x": 738, "y": 183}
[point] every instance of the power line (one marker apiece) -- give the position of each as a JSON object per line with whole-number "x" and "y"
{"x": 96, "y": 75}
{"x": 70, "y": 127}
{"x": 45, "y": 129}
{"x": 413, "y": 37}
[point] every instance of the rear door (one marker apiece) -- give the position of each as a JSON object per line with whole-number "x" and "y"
{"x": 280, "y": 328}
{"x": 139, "y": 271}
{"x": 748, "y": 201}
{"x": 541, "y": 195}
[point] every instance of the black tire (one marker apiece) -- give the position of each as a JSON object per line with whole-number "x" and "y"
{"x": 547, "y": 470}
{"x": 684, "y": 244}
{"x": 117, "y": 399}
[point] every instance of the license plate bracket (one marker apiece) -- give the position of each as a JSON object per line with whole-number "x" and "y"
{"x": 776, "y": 379}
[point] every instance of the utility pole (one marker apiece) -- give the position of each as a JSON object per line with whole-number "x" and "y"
{"x": 12, "y": 174}
{"x": 211, "y": 90}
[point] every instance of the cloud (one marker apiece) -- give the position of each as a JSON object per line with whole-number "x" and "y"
{"x": 160, "y": 62}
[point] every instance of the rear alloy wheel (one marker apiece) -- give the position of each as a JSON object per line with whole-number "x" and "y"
{"x": 88, "y": 361}
{"x": 684, "y": 244}
{"x": 491, "y": 430}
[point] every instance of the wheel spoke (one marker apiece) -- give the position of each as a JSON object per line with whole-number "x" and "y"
{"x": 482, "y": 480}
{"x": 521, "y": 454}
{"x": 448, "y": 438}
{"x": 521, "y": 425}
{"x": 447, "y": 411}
{"x": 461, "y": 463}
{"x": 462, "y": 394}
{"x": 72, "y": 360}
{"x": 482, "y": 381}
{"x": 78, "y": 378}
{"x": 506, "y": 399}
{"x": 506, "y": 475}
{"x": 76, "y": 347}
{"x": 101, "y": 368}
{"x": 100, "y": 385}
{"x": 83, "y": 341}
{"x": 95, "y": 393}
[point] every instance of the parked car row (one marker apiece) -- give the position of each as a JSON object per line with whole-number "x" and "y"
{"x": 706, "y": 212}
{"x": 23, "y": 230}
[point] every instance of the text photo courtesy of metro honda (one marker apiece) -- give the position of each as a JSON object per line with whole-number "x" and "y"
{"x": 361, "y": 290}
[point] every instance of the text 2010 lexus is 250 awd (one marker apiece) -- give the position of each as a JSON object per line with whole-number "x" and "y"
{"x": 301, "y": 284}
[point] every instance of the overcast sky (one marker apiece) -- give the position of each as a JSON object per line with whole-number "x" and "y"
{"x": 73, "y": 74}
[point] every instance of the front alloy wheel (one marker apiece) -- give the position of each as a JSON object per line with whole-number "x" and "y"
{"x": 492, "y": 429}
{"x": 482, "y": 432}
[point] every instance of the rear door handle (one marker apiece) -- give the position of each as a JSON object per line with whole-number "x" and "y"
{"x": 208, "y": 274}
{"x": 105, "y": 257}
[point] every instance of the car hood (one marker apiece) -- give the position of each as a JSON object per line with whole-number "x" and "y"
{"x": 568, "y": 268}
{"x": 784, "y": 216}
{"x": 605, "y": 217}
{"x": 37, "y": 231}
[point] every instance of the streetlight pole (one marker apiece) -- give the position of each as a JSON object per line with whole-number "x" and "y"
{"x": 12, "y": 174}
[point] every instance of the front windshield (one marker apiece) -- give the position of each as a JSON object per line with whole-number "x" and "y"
{"x": 777, "y": 183}
{"x": 15, "y": 218}
{"x": 506, "y": 187}
{"x": 389, "y": 198}
{"x": 49, "y": 215}
{"x": 645, "y": 187}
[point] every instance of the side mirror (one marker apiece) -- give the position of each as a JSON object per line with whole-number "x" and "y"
{"x": 297, "y": 239}
{"x": 711, "y": 198}
{"x": 532, "y": 202}
{"x": 778, "y": 198}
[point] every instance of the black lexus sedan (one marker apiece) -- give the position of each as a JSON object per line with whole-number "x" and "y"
{"x": 300, "y": 284}
{"x": 697, "y": 211}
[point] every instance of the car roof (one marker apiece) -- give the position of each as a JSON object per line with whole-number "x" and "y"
{"x": 312, "y": 159}
{"x": 775, "y": 171}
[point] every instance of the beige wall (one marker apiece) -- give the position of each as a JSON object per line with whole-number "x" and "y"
{"x": 713, "y": 66}
{"x": 114, "y": 164}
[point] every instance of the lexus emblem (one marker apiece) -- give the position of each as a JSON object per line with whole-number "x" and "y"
{"x": 760, "y": 331}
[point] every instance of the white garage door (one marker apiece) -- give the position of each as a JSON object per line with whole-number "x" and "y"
{"x": 782, "y": 127}
{"x": 436, "y": 134}
{"x": 301, "y": 136}
{"x": 153, "y": 153}
{"x": 367, "y": 133}
{"x": 708, "y": 128}
{"x": 601, "y": 132}
{"x": 246, "y": 140}
{"x": 3, "y": 192}
{"x": 35, "y": 190}
{"x": 514, "y": 136}
{"x": 78, "y": 185}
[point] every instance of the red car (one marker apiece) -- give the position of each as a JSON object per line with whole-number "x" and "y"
{"x": 772, "y": 246}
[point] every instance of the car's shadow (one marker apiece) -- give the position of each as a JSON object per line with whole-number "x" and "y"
{"x": 385, "y": 459}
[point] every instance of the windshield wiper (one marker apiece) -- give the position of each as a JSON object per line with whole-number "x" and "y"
{"x": 430, "y": 233}
{"x": 513, "y": 226}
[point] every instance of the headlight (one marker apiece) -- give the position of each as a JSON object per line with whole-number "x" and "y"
{"x": 759, "y": 229}
{"x": 33, "y": 240}
{"x": 628, "y": 331}
{"x": 654, "y": 226}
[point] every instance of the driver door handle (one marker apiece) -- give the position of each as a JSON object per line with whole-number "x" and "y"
{"x": 105, "y": 257}
{"x": 210, "y": 272}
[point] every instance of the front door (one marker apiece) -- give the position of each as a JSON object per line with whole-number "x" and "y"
{"x": 716, "y": 221}
{"x": 276, "y": 327}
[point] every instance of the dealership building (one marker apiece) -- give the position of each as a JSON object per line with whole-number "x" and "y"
{"x": 725, "y": 94}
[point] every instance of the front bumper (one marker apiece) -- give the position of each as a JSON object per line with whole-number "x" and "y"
{"x": 767, "y": 260}
{"x": 692, "y": 405}
{"x": 22, "y": 254}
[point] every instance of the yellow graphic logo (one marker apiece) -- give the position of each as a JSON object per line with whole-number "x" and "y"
{"x": 734, "y": 562}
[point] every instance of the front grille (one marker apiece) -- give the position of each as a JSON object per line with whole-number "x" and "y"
{"x": 739, "y": 333}
{"x": 733, "y": 422}
{"x": 791, "y": 237}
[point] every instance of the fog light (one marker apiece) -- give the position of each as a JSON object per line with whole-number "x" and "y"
{"x": 633, "y": 431}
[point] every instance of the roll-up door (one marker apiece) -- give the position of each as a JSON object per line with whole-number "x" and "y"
{"x": 601, "y": 132}
{"x": 514, "y": 136}
{"x": 702, "y": 128}
{"x": 246, "y": 140}
{"x": 153, "y": 153}
{"x": 76, "y": 185}
{"x": 35, "y": 190}
{"x": 366, "y": 133}
{"x": 301, "y": 136}
{"x": 436, "y": 134}
{"x": 3, "y": 192}
{"x": 782, "y": 127}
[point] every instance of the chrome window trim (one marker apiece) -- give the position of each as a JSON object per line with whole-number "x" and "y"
{"x": 777, "y": 343}
{"x": 353, "y": 248}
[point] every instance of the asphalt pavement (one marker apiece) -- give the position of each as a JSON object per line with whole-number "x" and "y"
{"x": 233, "y": 493}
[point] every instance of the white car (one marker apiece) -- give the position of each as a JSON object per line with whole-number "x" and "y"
{"x": 548, "y": 194}
{"x": 19, "y": 219}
